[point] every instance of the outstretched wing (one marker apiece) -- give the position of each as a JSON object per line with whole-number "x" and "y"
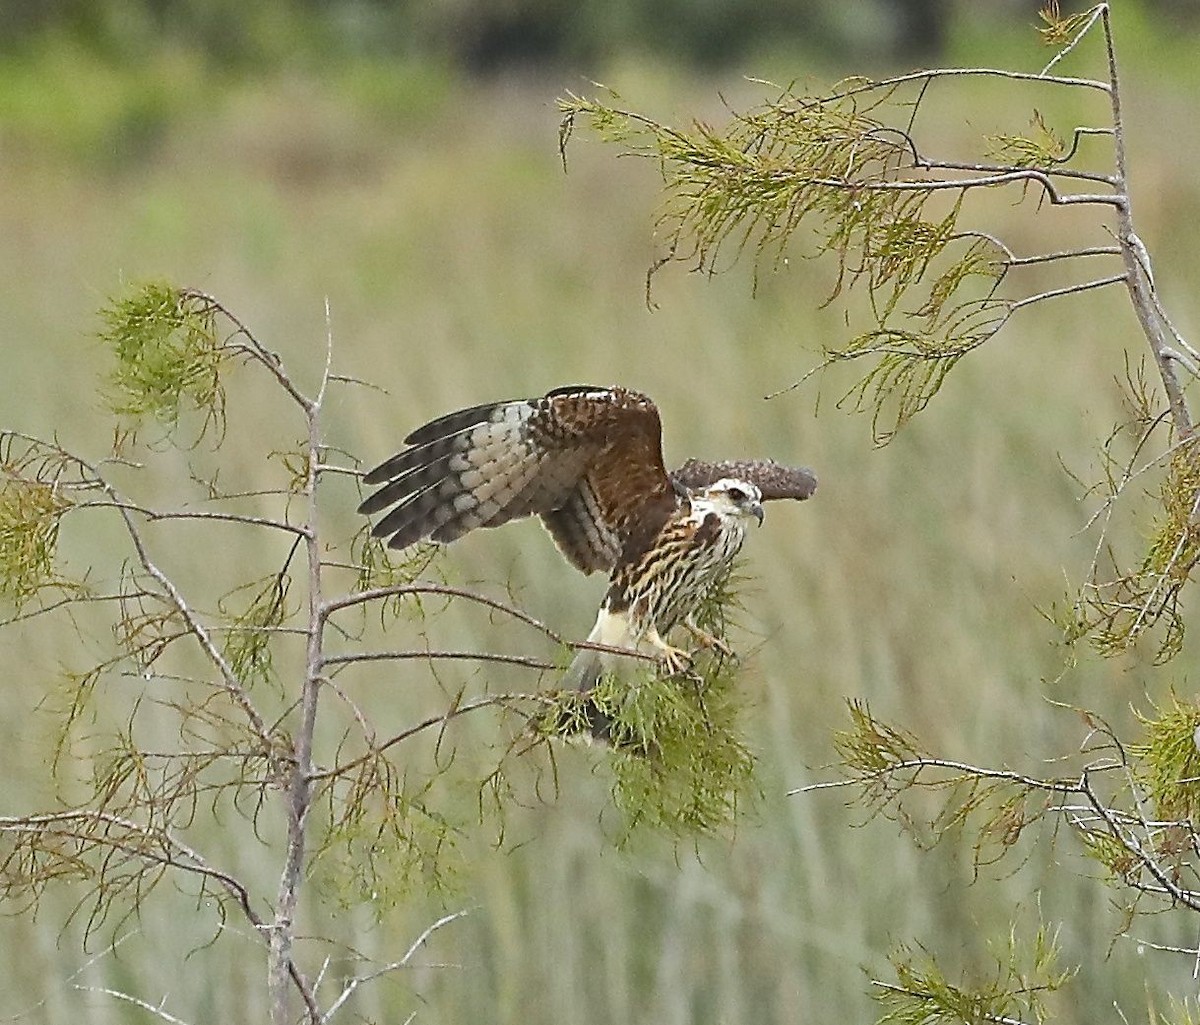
{"x": 771, "y": 478}
{"x": 587, "y": 460}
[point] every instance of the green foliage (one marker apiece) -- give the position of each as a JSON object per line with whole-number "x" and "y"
{"x": 1175, "y": 543}
{"x": 680, "y": 763}
{"x": 909, "y": 373}
{"x": 385, "y": 839}
{"x": 831, "y": 166}
{"x": 796, "y": 161}
{"x": 934, "y": 798}
{"x": 248, "y": 646}
{"x": 679, "y": 760}
{"x": 1131, "y": 604}
{"x": 1181, "y": 1012}
{"x": 1022, "y": 978}
{"x": 167, "y": 354}
{"x": 146, "y": 626}
{"x": 1058, "y": 31}
{"x": 1168, "y": 761}
{"x": 871, "y": 747}
{"x": 30, "y": 511}
{"x": 1043, "y": 148}
{"x": 1111, "y": 852}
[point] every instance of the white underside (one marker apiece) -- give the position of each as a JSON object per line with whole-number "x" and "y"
{"x": 615, "y": 630}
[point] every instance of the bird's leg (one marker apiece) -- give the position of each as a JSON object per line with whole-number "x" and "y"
{"x": 674, "y": 660}
{"x": 707, "y": 640}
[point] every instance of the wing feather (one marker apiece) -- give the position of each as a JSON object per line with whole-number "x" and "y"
{"x": 581, "y": 534}
{"x": 773, "y": 479}
{"x": 587, "y": 460}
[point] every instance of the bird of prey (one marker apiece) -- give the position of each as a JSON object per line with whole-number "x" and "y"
{"x": 589, "y": 462}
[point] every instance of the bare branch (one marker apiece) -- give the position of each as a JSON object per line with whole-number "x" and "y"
{"x": 1141, "y": 288}
{"x": 358, "y": 980}
{"x": 456, "y": 710}
{"x": 1097, "y": 12}
{"x": 1146, "y": 859}
{"x": 434, "y": 655}
{"x": 253, "y": 347}
{"x": 952, "y": 73}
{"x": 401, "y": 590}
{"x": 154, "y": 1009}
{"x": 299, "y": 790}
{"x": 1058, "y": 293}
{"x": 157, "y": 515}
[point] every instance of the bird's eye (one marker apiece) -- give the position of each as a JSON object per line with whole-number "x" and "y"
{"x": 737, "y": 494}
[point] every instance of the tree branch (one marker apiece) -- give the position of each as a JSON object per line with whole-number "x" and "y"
{"x": 475, "y": 656}
{"x": 1138, "y": 280}
{"x": 493, "y": 701}
{"x": 154, "y": 1009}
{"x": 358, "y": 980}
{"x": 333, "y": 605}
{"x": 253, "y": 347}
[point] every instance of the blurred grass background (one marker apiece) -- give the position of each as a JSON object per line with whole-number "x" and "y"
{"x": 401, "y": 162}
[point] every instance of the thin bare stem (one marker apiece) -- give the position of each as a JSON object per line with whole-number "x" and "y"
{"x": 358, "y": 980}
{"x": 951, "y": 73}
{"x": 493, "y": 701}
{"x": 299, "y": 792}
{"x": 435, "y": 655}
{"x": 154, "y": 1009}
{"x": 373, "y": 594}
{"x": 1138, "y": 280}
{"x": 253, "y": 347}
{"x": 1096, "y": 13}
{"x": 158, "y": 515}
{"x": 1058, "y": 293}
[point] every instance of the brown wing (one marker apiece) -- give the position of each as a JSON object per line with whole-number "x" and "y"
{"x": 772, "y": 479}
{"x": 587, "y": 460}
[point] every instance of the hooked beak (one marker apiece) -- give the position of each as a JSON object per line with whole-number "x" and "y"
{"x": 756, "y": 511}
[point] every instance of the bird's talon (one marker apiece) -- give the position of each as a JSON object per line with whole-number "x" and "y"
{"x": 722, "y": 648}
{"x": 713, "y": 642}
{"x": 676, "y": 661}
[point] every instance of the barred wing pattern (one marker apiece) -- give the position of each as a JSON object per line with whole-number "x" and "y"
{"x": 771, "y": 478}
{"x": 587, "y": 460}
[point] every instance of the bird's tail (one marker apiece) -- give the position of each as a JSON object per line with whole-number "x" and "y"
{"x": 584, "y": 671}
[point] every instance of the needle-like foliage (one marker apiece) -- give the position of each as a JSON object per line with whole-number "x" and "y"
{"x": 1168, "y": 759}
{"x": 31, "y": 508}
{"x": 1022, "y": 977}
{"x": 167, "y": 356}
{"x": 846, "y": 177}
{"x": 226, "y": 699}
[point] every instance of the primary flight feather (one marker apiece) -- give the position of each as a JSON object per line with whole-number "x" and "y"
{"x": 589, "y": 462}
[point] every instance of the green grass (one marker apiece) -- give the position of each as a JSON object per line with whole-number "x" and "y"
{"x": 460, "y": 265}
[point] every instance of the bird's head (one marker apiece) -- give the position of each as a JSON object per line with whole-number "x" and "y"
{"x": 732, "y": 497}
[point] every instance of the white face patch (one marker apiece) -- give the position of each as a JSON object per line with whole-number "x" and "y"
{"x": 730, "y": 498}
